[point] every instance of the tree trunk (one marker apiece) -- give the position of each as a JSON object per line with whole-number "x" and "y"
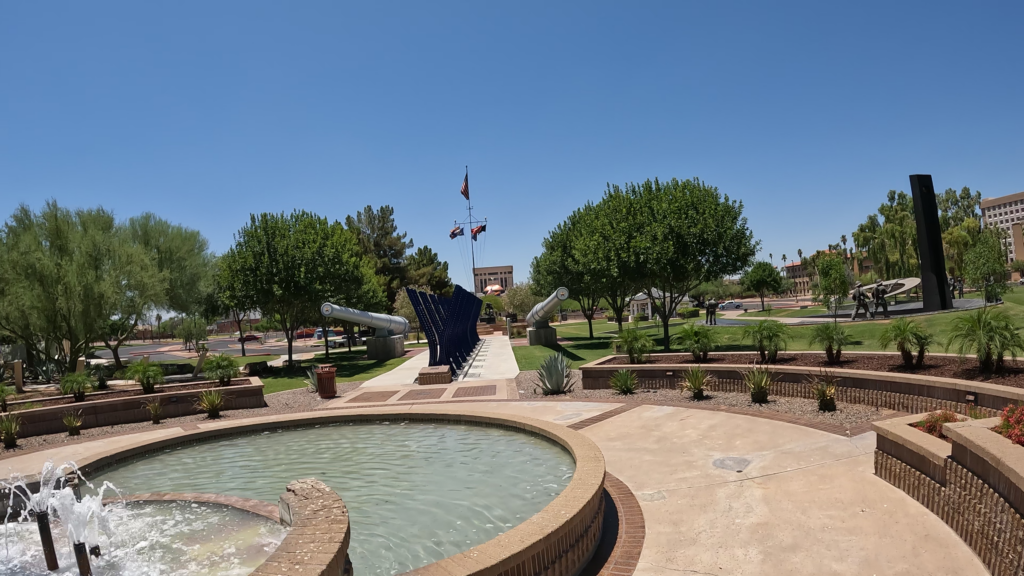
{"x": 289, "y": 336}
{"x": 241, "y": 335}
{"x": 762, "y": 302}
{"x": 327, "y": 347}
{"x": 117, "y": 357}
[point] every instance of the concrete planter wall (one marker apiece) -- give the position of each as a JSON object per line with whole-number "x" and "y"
{"x": 974, "y": 484}
{"x": 128, "y": 409}
{"x": 894, "y": 391}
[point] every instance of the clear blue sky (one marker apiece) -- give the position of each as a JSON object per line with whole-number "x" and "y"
{"x": 205, "y": 111}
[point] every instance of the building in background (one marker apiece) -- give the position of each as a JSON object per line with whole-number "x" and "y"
{"x": 492, "y": 275}
{"x": 1004, "y": 212}
{"x": 801, "y": 281}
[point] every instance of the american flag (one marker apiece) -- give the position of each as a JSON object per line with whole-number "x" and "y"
{"x": 465, "y": 187}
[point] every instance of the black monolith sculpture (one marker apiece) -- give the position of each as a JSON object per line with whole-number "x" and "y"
{"x": 934, "y": 290}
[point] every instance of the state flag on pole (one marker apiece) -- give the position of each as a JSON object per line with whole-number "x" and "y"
{"x": 457, "y": 231}
{"x": 477, "y": 230}
{"x": 465, "y": 187}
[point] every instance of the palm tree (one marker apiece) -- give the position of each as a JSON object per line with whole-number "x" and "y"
{"x": 800, "y": 254}
{"x": 783, "y": 258}
{"x": 770, "y": 257}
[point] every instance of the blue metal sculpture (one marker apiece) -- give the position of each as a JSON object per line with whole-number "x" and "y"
{"x": 449, "y": 324}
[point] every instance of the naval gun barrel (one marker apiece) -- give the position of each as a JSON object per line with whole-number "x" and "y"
{"x": 544, "y": 310}
{"x": 382, "y": 323}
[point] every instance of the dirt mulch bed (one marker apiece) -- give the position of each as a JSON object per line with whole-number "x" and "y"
{"x": 941, "y": 366}
{"x": 287, "y": 402}
{"x": 845, "y": 415}
{"x": 44, "y": 399}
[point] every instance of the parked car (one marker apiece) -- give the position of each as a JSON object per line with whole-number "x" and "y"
{"x": 319, "y": 334}
{"x": 249, "y": 338}
{"x": 730, "y": 305}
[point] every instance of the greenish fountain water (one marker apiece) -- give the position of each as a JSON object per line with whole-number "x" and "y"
{"x": 416, "y": 492}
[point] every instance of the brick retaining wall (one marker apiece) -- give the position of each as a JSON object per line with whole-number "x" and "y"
{"x": 127, "y": 409}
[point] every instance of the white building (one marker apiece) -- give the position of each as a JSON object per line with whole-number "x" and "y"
{"x": 1004, "y": 212}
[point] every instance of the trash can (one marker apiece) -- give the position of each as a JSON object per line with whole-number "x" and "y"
{"x": 325, "y": 386}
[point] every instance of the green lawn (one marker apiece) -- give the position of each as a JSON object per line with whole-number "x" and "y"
{"x": 241, "y": 361}
{"x": 864, "y": 334}
{"x": 784, "y": 313}
{"x": 351, "y": 366}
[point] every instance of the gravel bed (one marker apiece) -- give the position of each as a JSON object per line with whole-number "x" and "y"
{"x": 941, "y": 366}
{"x": 845, "y": 414}
{"x": 287, "y": 402}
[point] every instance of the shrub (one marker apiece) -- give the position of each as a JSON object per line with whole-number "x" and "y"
{"x": 146, "y": 374}
{"x": 988, "y": 334}
{"x": 697, "y": 339}
{"x": 75, "y": 384}
{"x": 832, "y": 337}
{"x": 688, "y": 313}
{"x": 908, "y": 337}
{"x": 636, "y": 343}
{"x": 221, "y": 368}
{"x": 555, "y": 375}
{"x": 932, "y": 423}
{"x": 73, "y": 421}
{"x": 697, "y": 380}
{"x": 823, "y": 386}
{"x": 9, "y": 426}
{"x": 155, "y": 409}
{"x": 759, "y": 381}
{"x": 5, "y": 393}
{"x": 1011, "y": 423}
{"x": 211, "y": 402}
{"x": 769, "y": 337}
{"x": 99, "y": 372}
{"x": 624, "y": 382}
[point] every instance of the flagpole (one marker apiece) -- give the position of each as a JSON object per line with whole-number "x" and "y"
{"x": 472, "y": 251}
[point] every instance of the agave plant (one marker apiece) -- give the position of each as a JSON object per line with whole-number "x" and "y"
{"x": 555, "y": 375}
{"x": 211, "y": 402}
{"x": 221, "y": 368}
{"x": 155, "y": 410}
{"x": 636, "y": 343}
{"x": 624, "y": 382}
{"x": 908, "y": 337}
{"x": 146, "y": 374}
{"x": 75, "y": 384}
{"x": 769, "y": 337}
{"x": 310, "y": 380}
{"x": 824, "y": 387}
{"x": 988, "y": 334}
{"x": 697, "y": 339}
{"x": 832, "y": 337}
{"x": 73, "y": 421}
{"x": 10, "y": 424}
{"x": 759, "y": 380}
{"x": 697, "y": 380}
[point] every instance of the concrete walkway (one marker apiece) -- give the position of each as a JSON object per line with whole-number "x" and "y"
{"x": 725, "y": 494}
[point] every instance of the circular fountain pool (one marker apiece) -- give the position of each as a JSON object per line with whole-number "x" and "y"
{"x": 154, "y": 538}
{"x": 416, "y": 492}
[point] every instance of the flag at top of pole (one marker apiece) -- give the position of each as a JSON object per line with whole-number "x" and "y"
{"x": 465, "y": 185}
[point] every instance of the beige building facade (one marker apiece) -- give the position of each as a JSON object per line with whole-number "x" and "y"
{"x": 1003, "y": 212}
{"x": 486, "y": 276}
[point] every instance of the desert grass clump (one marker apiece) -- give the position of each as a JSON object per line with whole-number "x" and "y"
{"x": 908, "y": 337}
{"x": 5, "y": 393}
{"x": 636, "y": 343}
{"x": 624, "y": 382}
{"x": 759, "y": 380}
{"x": 555, "y": 375}
{"x": 75, "y": 384}
{"x": 824, "y": 387}
{"x": 155, "y": 409}
{"x": 832, "y": 337}
{"x": 10, "y": 424}
{"x": 221, "y": 368}
{"x": 697, "y": 380}
{"x": 211, "y": 402}
{"x": 73, "y": 421}
{"x": 769, "y": 337}
{"x": 697, "y": 339}
{"x": 147, "y": 375}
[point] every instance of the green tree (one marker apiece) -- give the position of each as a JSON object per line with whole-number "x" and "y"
{"x": 379, "y": 239}
{"x": 296, "y": 262}
{"x": 692, "y": 234}
{"x": 611, "y": 243}
{"x": 833, "y": 282}
{"x": 133, "y": 287}
{"x": 890, "y": 237}
{"x": 566, "y": 262}
{"x": 762, "y": 278}
{"x": 182, "y": 258}
{"x": 956, "y": 208}
{"x": 985, "y": 264}
{"x": 233, "y": 291}
{"x": 520, "y": 299}
{"x": 424, "y": 268}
